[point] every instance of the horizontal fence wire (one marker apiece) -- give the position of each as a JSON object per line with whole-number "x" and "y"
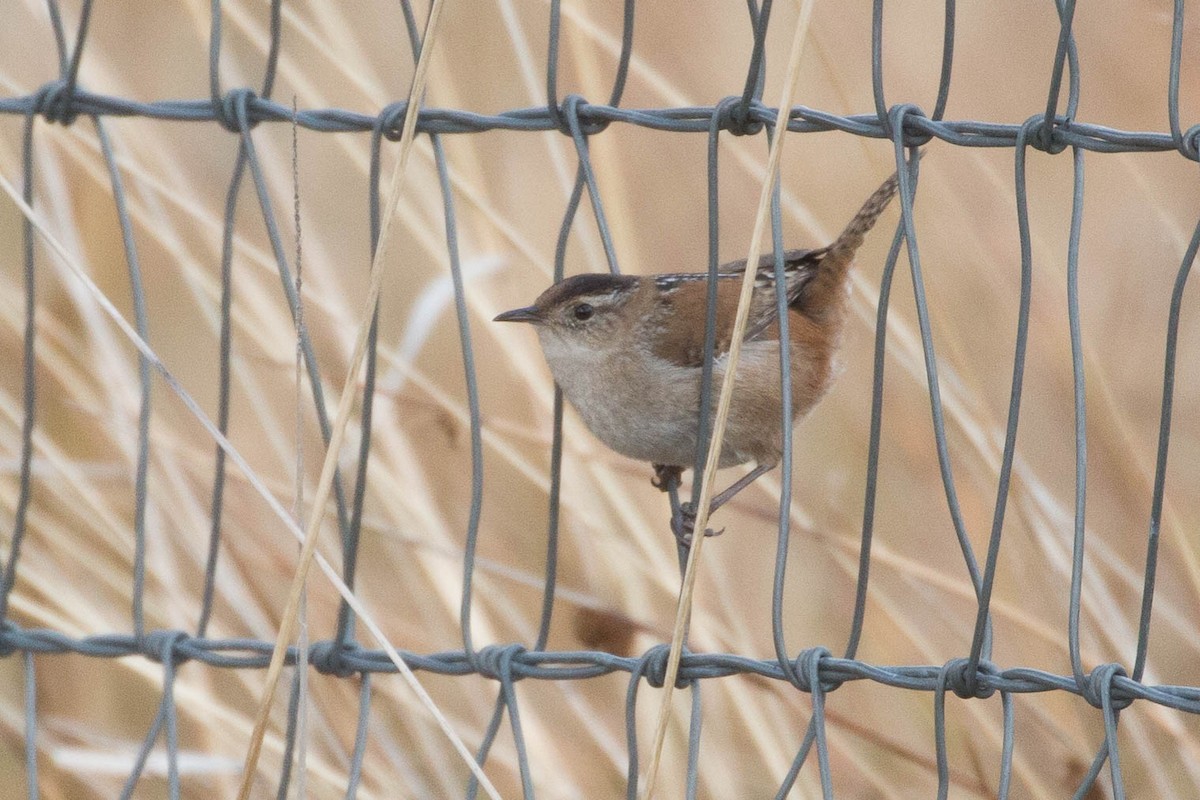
{"x": 816, "y": 670}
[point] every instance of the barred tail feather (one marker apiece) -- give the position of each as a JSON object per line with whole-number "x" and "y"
{"x": 825, "y": 291}
{"x": 852, "y": 237}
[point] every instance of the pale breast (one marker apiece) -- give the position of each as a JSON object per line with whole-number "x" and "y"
{"x": 640, "y": 407}
{"x": 647, "y": 409}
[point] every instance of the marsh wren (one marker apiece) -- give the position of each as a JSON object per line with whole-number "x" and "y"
{"x": 628, "y": 351}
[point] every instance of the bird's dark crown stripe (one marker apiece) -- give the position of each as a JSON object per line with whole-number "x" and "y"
{"x": 592, "y": 285}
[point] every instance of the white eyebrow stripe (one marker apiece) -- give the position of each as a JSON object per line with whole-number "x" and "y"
{"x": 599, "y": 300}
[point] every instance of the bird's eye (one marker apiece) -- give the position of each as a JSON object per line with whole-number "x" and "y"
{"x": 583, "y": 311}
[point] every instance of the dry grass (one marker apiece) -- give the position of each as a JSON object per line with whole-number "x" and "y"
{"x": 618, "y": 569}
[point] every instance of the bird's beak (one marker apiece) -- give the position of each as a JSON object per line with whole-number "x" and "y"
{"x": 527, "y": 314}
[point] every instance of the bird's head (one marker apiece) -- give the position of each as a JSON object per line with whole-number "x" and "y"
{"x": 587, "y": 312}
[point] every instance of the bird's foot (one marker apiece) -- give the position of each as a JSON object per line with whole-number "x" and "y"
{"x": 665, "y": 476}
{"x": 685, "y": 526}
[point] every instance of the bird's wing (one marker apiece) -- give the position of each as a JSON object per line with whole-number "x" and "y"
{"x": 680, "y": 338}
{"x": 799, "y": 267}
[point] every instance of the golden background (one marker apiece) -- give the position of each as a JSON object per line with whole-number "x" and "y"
{"x": 618, "y": 574}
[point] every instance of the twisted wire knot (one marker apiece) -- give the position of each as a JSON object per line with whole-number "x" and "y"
{"x": 163, "y": 646}
{"x": 1048, "y": 134}
{"x": 568, "y": 117}
{"x": 902, "y": 117}
{"x": 328, "y": 657}
{"x": 807, "y": 669}
{"x": 965, "y": 682}
{"x": 234, "y": 107}
{"x": 733, "y": 115}
{"x": 390, "y": 122}
{"x": 1099, "y": 684}
{"x": 9, "y": 631}
{"x": 496, "y": 661}
{"x": 56, "y": 102}
{"x": 1189, "y": 143}
{"x": 654, "y": 667}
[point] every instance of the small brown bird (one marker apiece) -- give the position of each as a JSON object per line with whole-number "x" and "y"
{"x": 628, "y": 351}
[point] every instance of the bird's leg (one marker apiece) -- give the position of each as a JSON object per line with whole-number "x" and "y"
{"x": 667, "y": 479}
{"x": 665, "y": 475}
{"x": 687, "y": 521}
{"x": 741, "y": 483}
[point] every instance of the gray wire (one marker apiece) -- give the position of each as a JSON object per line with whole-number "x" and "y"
{"x": 142, "y": 324}
{"x": 631, "y": 692}
{"x": 169, "y": 715}
{"x": 1006, "y": 751}
{"x": 165, "y": 647}
{"x": 1172, "y": 344}
{"x": 1187, "y": 143}
{"x": 360, "y": 737}
{"x": 756, "y": 72}
{"x": 552, "y": 665}
{"x": 224, "y": 380}
{"x": 139, "y": 763}
{"x": 70, "y": 77}
{"x": 695, "y": 726}
{"x": 979, "y": 644}
{"x": 225, "y": 345}
{"x": 782, "y": 313}
{"x": 1164, "y": 439}
{"x": 898, "y": 115}
{"x": 289, "y": 737}
{"x": 31, "y": 765}
{"x": 918, "y": 128}
{"x": 939, "y": 732}
{"x": 571, "y": 112}
{"x": 28, "y": 379}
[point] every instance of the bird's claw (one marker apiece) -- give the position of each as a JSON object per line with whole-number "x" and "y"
{"x": 684, "y": 526}
{"x": 665, "y": 476}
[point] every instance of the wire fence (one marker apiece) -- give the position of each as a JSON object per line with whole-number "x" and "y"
{"x": 1110, "y": 688}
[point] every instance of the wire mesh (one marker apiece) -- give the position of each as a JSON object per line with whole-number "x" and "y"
{"x": 816, "y": 670}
